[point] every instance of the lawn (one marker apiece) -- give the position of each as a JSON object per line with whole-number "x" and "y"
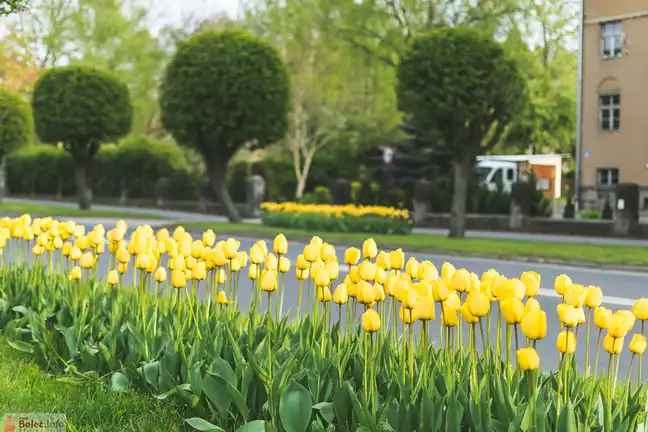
{"x": 498, "y": 248}
{"x": 89, "y": 407}
{"x": 42, "y": 210}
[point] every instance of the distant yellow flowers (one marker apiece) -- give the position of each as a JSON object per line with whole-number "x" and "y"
{"x": 336, "y": 210}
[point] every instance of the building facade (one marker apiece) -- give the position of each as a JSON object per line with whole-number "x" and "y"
{"x": 614, "y": 123}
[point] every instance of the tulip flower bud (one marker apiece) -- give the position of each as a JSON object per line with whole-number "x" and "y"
{"x": 370, "y": 321}
{"x": 369, "y": 249}
{"x": 351, "y": 256}
{"x": 269, "y": 280}
{"x": 424, "y": 309}
{"x": 640, "y": 309}
{"x": 38, "y": 250}
{"x": 284, "y": 264}
{"x": 528, "y": 359}
{"x": 534, "y": 325}
{"x": 568, "y": 315}
{"x": 209, "y": 238}
{"x": 575, "y": 295}
{"x": 460, "y": 281}
{"x": 160, "y": 275}
{"x": 638, "y": 344}
{"x": 280, "y": 244}
{"x": 382, "y": 261}
{"x": 449, "y": 316}
{"x": 178, "y": 279}
{"x": 412, "y": 267}
{"x": 252, "y": 272}
{"x": 566, "y": 342}
{"x": 87, "y": 260}
{"x": 324, "y": 294}
{"x": 397, "y": 259}
{"x": 221, "y": 298}
{"x": 467, "y": 316}
{"x": 75, "y": 273}
{"x": 512, "y": 310}
{"x": 341, "y": 294}
{"x": 447, "y": 271}
{"x": 562, "y": 281}
{"x": 531, "y": 281}
{"x": 328, "y": 253}
{"x": 602, "y": 317}
{"x": 312, "y": 252}
{"x": 113, "y": 277}
{"x": 593, "y": 297}
{"x": 612, "y": 345}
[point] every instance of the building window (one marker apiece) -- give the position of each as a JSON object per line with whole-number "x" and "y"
{"x": 607, "y": 176}
{"x": 610, "y": 112}
{"x": 611, "y": 39}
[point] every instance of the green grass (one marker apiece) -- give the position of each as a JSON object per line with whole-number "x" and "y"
{"x": 498, "y": 248}
{"x": 91, "y": 407}
{"x": 42, "y": 210}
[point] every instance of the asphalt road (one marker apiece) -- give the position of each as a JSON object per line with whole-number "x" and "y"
{"x": 622, "y": 288}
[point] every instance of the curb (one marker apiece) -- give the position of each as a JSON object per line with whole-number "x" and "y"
{"x": 248, "y": 235}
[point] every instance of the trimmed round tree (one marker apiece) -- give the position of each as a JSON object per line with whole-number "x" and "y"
{"x": 16, "y": 126}
{"x": 221, "y": 90}
{"x": 81, "y": 107}
{"x": 460, "y": 90}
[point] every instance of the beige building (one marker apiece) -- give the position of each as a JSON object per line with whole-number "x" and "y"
{"x": 614, "y": 122}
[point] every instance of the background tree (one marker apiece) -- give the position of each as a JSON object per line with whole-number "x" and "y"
{"x": 81, "y": 107}
{"x": 222, "y": 90}
{"x": 11, "y": 6}
{"x": 16, "y": 127}
{"x": 461, "y": 102}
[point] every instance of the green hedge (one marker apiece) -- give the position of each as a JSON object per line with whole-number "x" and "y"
{"x": 137, "y": 163}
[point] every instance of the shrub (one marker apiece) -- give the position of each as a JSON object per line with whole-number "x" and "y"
{"x": 223, "y": 89}
{"x": 16, "y": 121}
{"x": 81, "y": 107}
{"x": 332, "y": 218}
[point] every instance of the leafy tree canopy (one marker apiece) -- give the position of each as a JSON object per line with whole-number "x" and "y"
{"x": 16, "y": 121}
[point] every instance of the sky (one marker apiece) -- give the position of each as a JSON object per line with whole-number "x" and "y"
{"x": 173, "y": 11}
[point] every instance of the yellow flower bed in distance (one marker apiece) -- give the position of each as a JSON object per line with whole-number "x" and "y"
{"x": 379, "y": 331}
{"x": 337, "y": 218}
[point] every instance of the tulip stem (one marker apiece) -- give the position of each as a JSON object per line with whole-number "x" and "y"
{"x": 498, "y": 334}
{"x": 299, "y": 297}
{"x": 587, "y": 341}
{"x": 179, "y": 308}
{"x": 609, "y": 373}
{"x": 508, "y": 352}
{"x": 473, "y": 342}
{"x": 641, "y": 356}
{"x": 626, "y": 399}
{"x": 424, "y": 338}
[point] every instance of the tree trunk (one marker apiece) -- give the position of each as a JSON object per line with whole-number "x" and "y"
{"x": 217, "y": 181}
{"x": 303, "y": 178}
{"x": 461, "y": 170}
{"x": 81, "y": 179}
{"x": 3, "y": 177}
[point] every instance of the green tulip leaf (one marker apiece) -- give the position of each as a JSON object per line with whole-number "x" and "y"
{"x": 567, "y": 419}
{"x": 253, "y": 426}
{"x": 326, "y": 411}
{"x": 119, "y": 381}
{"x": 295, "y": 408}
{"x": 21, "y": 346}
{"x": 202, "y": 425}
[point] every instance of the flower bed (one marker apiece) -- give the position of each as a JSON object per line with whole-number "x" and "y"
{"x": 345, "y": 360}
{"x": 333, "y": 218}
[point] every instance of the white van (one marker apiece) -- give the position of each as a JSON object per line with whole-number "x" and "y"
{"x": 497, "y": 174}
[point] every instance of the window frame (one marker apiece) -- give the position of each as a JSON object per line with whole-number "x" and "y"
{"x": 610, "y": 109}
{"x": 614, "y": 36}
{"x": 609, "y": 171}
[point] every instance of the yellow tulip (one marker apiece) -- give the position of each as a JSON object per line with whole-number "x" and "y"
{"x": 284, "y": 264}
{"x": 561, "y": 282}
{"x": 620, "y": 325}
{"x": 453, "y": 301}
{"x": 209, "y": 238}
{"x": 197, "y": 249}
{"x": 160, "y": 275}
{"x": 38, "y": 250}
{"x": 612, "y": 345}
{"x": 406, "y": 315}
{"x": 252, "y": 272}
{"x": 178, "y": 279}
{"x": 427, "y": 272}
{"x": 199, "y": 272}
{"x": 474, "y": 282}
{"x": 512, "y": 310}
{"x": 162, "y": 235}
{"x": 75, "y": 254}
{"x": 341, "y": 294}
{"x": 390, "y": 283}
{"x": 424, "y": 309}
{"x": 640, "y": 309}
{"x": 269, "y": 280}
{"x": 580, "y": 312}
{"x": 602, "y": 317}
{"x": 370, "y": 321}
{"x": 397, "y": 259}
{"x": 221, "y": 298}
{"x": 280, "y": 244}
{"x": 322, "y": 277}
{"x": 638, "y": 344}
{"x": 113, "y": 277}
{"x": 369, "y": 249}
{"x": 367, "y": 271}
{"x": 534, "y": 325}
{"x": 531, "y": 281}
{"x": 122, "y": 267}
{"x": 75, "y": 273}
{"x": 447, "y": 271}
{"x": 593, "y": 297}
{"x": 328, "y": 253}
{"x": 574, "y": 295}
{"x": 410, "y": 298}
{"x": 230, "y": 248}
{"x": 365, "y": 293}
{"x": 264, "y": 247}
{"x": 87, "y": 260}
{"x": 312, "y": 252}
{"x": 449, "y": 316}
{"x": 324, "y": 294}
{"x": 512, "y": 288}
{"x": 220, "y": 276}
{"x": 467, "y": 316}
{"x": 351, "y": 256}
{"x": 566, "y": 342}
{"x": 301, "y": 263}
{"x": 382, "y": 261}
{"x": 381, "y": 275}
{"x": 532, "y": 305}
{"x": 528, "y": 359}
{"x": 412, "y": 267}
{"x": 301, "y": 274}
{"x": 271, "y": 262}
{"x": 478, "y": 304}
{"x": 568, "y": 315}
{"x": 440, "y": 291}
{"x": 460, "y": 281}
